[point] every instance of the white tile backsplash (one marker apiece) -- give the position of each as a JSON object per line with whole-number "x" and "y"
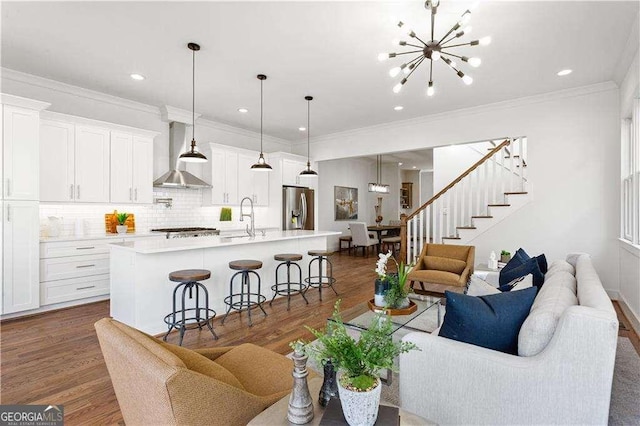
{"x": 186, "y": 210}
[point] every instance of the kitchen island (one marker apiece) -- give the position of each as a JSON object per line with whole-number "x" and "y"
{"x": 140, "y": 288}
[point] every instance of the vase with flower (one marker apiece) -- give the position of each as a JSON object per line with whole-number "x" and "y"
{"x": 391, "y": 289}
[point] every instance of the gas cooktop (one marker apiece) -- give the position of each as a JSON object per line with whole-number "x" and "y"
{"x": 187, "y": 232}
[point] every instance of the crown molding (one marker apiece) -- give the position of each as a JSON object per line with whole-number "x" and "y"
{"x": 68, "y": 118}
{"x": 80, "y": 92}
{"x": 629, "y": 51}
{"x": 497, "y": 106}
{"x": 169, "y": 113}
{"x": 242, "y": 132}
{"x": 19, "y": 101}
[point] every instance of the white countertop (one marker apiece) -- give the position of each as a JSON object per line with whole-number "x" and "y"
{"x": 104, "y": 236}
{"x": 178, "y": 244}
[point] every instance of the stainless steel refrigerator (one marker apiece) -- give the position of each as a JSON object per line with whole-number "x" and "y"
{"x": 297, "y": 208}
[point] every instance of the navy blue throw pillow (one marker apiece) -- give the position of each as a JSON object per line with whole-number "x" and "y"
{"x": 492, "y": 321}
{"x": 542, "y": 263}
{"x": 518, "y": 259}
{"x": 529, "y": 267}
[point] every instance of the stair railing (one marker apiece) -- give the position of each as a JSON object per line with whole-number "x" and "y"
{"x": 469, "y": 196}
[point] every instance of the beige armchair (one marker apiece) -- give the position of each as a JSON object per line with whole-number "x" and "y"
{"x": 161, "y": 384}
{"x": 442, "y": 267}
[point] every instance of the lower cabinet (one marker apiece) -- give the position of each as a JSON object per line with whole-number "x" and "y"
{"x": 73, "y": 289}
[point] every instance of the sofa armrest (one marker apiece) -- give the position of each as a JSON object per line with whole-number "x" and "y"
{"x": 213, "y": 353}
{"x": 450, "y": 382}
{"x": 464, "y": 276}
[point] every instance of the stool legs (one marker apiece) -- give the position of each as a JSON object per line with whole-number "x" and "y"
{"x": 245, "y": 296}
{"x": 323, "y": 280}
{"x": 199, "y": 320}
{"x": 288, "y": 291}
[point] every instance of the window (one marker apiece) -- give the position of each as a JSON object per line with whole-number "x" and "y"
{"x": 630, "y": 185}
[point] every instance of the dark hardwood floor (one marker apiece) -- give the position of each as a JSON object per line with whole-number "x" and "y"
{"x": 54, "y": 358}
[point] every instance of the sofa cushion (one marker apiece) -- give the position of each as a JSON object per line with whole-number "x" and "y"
{"x": 529, "y": 267}
{"x": 558, "y": 266}
{"x": 439, "y": 277}
{"x": 454, "y": 266}
{"x": 557, "y": 294}
{"x": 203, "y": 365}
{"x": 491, "y": 321}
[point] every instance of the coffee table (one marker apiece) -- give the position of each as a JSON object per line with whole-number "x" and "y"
{"x": 426, "y": 318}
{"x": 277, "y": 413}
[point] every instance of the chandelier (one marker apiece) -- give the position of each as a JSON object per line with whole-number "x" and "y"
{"x": 435, "y": 50}
{"x": 377, "y": 186}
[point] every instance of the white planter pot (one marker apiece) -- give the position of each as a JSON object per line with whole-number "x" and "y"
{"x": 360, "y": 408}
{"x": 121, "y": 229}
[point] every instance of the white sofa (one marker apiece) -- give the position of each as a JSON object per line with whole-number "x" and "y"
{"x": 567, "y": 382}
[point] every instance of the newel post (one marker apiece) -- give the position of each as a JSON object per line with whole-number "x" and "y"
{"x": 403, "y": 238}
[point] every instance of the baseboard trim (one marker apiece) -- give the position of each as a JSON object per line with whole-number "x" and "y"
{"x": 54, "y": 307}
{"x": 628, "y": 312}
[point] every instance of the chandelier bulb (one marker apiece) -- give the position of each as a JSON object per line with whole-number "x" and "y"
{"x": 474, "y": 62}
{"x": 394, "y": 71}
{"x": 431, "y": 90}
{"x": 467, "y": 80}
{"x": 466, "y": 17}
{"x": 435, "y": 55}
{"x": 484, "y": 41}
{"x": 397, "y": 88}
{"x": 467, "y": 30}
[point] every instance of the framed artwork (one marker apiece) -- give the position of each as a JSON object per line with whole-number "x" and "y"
{"x": 346, "y": 200}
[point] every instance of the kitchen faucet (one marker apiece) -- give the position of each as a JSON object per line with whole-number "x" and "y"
{"x": 251, "y": 231}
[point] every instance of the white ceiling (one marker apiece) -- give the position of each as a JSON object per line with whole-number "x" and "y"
{"x": 325, "y": 49}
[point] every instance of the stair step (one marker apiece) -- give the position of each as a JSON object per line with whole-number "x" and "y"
{"x": 481, "y": 217}
{"x": 451, "y": 238}
{"x": 515, "y": 193}
{"x": 466, "y": 227}
{"x": 499, "y": 205}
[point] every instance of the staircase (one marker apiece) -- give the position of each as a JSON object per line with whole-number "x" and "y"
{"x": 481, "y": 197}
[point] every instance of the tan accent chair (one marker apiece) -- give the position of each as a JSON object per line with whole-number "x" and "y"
{"x": 442, "y": 267}
{"x": 157, "y": 383}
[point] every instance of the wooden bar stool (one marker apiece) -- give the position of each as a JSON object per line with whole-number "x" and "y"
{"x": 345, "y": 239}
{"x": 248, "y": 300}
{"x": 288, "y": 288}
{"x": 180, "y": 317}
{"x": 321, "y": 280}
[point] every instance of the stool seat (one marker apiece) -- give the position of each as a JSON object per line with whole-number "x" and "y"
{"x": 188, "y": 275}
{"x": 346, "y": 238}
{"x": 287, "y": 257}
{"x": 241, "y": 265}
{"x": 391, "y": 240}
{"x": 320, "y": 252}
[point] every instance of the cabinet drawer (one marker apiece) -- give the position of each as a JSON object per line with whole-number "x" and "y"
{"x": 73, "y": 289}
{"x": 73, "y": 267}
{"x": 76, "y": 248}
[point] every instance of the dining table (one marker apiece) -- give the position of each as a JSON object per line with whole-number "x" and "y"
{"x": 379, "y": 229}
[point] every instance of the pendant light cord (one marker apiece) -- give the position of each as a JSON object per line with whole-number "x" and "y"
{"x": 193, "y": 99}
{"x": 308, "y": 131}
{"x": 261, "y": 81}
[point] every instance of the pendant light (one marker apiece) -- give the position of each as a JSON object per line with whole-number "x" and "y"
{"x": 261, "y": 165}
{"x": 192, "y": 155}
{"x": 379, "y": 187}
{"x": 308, "y": 171}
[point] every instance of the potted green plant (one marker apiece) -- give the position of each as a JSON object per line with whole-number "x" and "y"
{"x": 121, "y": 228}
{"x": 358, "y": 363}
{"x": 505, "y": 256}
{"x": 391, "y": 288}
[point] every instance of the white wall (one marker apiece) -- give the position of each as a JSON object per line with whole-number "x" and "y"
{"x": 574, "y": 168}
{"x": 449, "y": 162}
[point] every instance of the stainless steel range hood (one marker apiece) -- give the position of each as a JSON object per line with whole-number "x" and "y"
{"x": 178, "y": 177}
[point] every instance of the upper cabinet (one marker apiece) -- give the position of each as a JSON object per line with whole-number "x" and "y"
{"x": 131, "y": 168}
{"x": 20, "y": 135}
{"x": 291, "y": 172}
{"x": 232, "y": 178}
{"x": 83, "y": 162}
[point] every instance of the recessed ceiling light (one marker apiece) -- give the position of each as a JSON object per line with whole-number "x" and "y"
{"x": 414, "y": 167}
{"x": 138, "y": 77}
{"x": 302, "y": 129}
{"x": 398, "y": 108}
{"x": 399, "y": 164}
{"x": 243, "y": 110}
{"x": 564, "y": 72}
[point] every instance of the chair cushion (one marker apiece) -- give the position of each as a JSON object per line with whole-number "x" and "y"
{"x": 203, "y": 365}
{"x": 491, "y": 321}
{"x": 529, "y": 267}
{"x": 271, "y": 375}
{"x": 454, "y": 266}
{"x": 451, "y": 251}
{"x": 436, "y": 277}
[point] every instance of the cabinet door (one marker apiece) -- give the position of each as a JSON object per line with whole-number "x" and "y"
{"x": 20, "y": 281}
{"x": 57, "y": 145}
{"x": 245, "y": 177}
{"x": 261, "y": 188}
{"x": 142, "y": 170}
{"x": 231, "y": 178}
{"x": 92, "y": 164}
{"x": 218, "y": 174}
{"x": 20, "y": 133}
{"x": 121, "y": 182}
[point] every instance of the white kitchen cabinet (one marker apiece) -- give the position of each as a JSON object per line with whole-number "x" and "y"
{"x": 291, "y": 172}
{"x": 20, "y": 137}
{"x": 224, "y": 177}
{"x": 131, "y": 168}
{"x": 92, "y": 170}
{"x": 251, "y": 183}
{"x": 20, "y": 278}
{"x": 57, "y": 168}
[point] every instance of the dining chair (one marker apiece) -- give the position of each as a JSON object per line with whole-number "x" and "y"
{"x": 360, "y": 237}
